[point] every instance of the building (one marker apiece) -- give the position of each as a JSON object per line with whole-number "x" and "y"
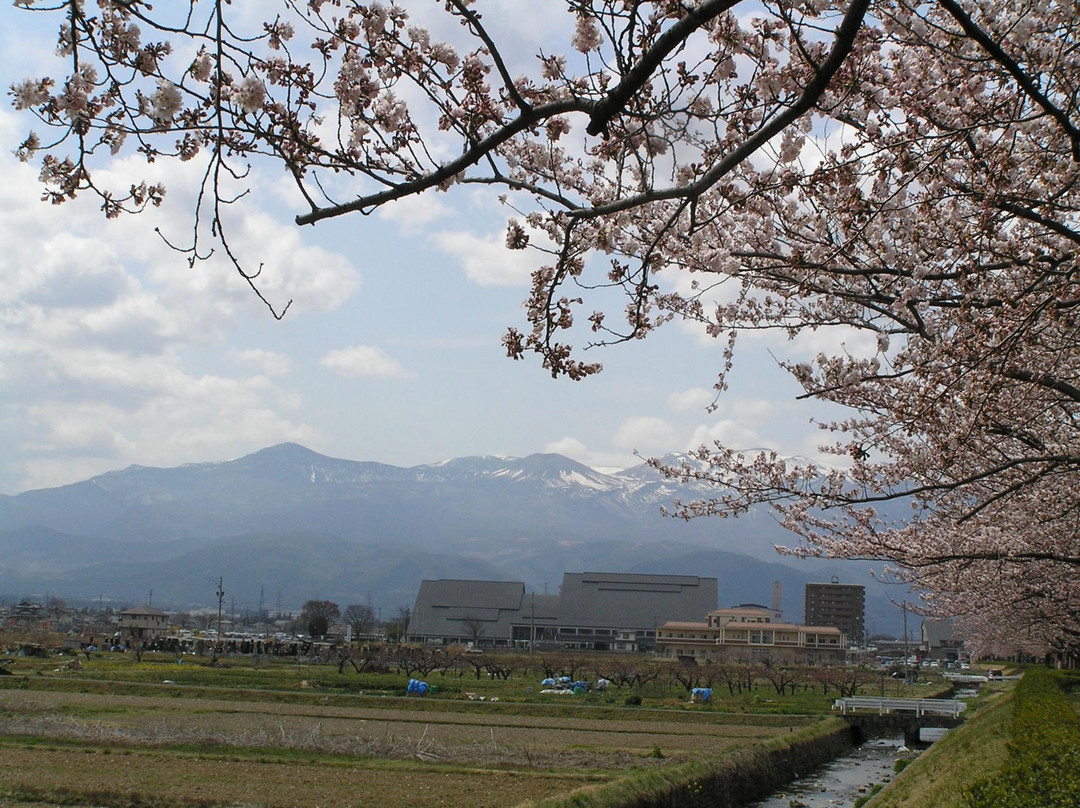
{"x": 939, "y": 642}
{"x": 595, "y": 607}
{"x": 750, "y": 634}
{"x": 593, "y": 610}
{"x": 142, "y": 624}
{"x": 842, "y": 606}
{"x": 480, "y": 613}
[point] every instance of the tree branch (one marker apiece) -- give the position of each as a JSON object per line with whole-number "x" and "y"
{"x": 619, "y": 95}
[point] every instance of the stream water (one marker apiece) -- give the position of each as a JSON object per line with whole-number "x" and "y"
{"x": 839, "y": 783}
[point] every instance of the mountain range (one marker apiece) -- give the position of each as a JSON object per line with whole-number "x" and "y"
{"x": 286, "y": 524}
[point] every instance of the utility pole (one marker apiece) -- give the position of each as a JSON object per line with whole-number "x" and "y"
{"x": 903, "y": 605}
{"x": 220, "y": 600}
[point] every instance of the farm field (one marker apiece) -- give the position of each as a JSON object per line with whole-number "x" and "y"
{"x": 116, "y": 733}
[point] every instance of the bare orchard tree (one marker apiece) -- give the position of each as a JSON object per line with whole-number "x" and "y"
{"x": 905, "y": 171}
{"x": 474, "y": 627}
{"x": 634, "y": 670}
{"x": 360, "y": 618}
{"x": 417, "y": 659}
{"x": 397, "y": 630}
{"x": 846, "y": 681}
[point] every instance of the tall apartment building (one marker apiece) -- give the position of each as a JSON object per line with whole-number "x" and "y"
{"x": 842, "y": 606}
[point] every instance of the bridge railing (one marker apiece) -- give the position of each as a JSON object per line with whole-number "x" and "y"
{"x": 918, "y": 707}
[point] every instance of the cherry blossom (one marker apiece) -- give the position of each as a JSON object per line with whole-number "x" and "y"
{"x": 907, "y": 170}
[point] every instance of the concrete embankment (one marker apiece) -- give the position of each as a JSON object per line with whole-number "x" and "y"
{"x": 732, "y": 781}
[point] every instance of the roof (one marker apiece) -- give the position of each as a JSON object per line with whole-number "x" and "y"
{"x": 633, "y": 600}
{"x": 588, "y": 599}
{"x": 937, "y": 632}
{"x": 675, "y": 624}
{"x": 452, "y": 592}
{"x": 143, "y": 611}
{"x": 458, "y": 608}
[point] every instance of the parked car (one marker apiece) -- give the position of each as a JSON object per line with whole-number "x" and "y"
{"x": 994, "y": 674}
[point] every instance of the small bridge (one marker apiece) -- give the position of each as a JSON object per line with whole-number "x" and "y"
{"x": 873, "y": 717}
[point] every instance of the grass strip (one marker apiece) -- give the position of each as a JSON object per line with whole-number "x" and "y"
{"x": 939, "y": 776}
{"x": 1043, "y": 763}
{"x": 734, "y": 779}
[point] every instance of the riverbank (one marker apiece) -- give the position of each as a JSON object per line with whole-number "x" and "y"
{"x": 846, "y": 780}
{"x": 941, "y": 775}
{"x": 734, "y": 780}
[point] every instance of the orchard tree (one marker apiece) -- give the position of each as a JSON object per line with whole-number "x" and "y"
{"x": 897, "y": 170}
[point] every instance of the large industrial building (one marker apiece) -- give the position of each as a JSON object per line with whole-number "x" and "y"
{"x": 842, "y": 606}
{"x": 593, "y": 610}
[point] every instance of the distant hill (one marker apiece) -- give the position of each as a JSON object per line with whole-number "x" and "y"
{"x": 286, "y": 524}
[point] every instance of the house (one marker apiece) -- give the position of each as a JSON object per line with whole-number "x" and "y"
{"x": 747, "y": 634}
{"x": 26, "y": 612}
{"x": 939, "y": 642}
{"x": 142, "y": 624}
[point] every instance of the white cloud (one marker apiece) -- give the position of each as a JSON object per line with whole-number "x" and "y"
{"x": 755, "y": 410}
{"x": 643, "y": 433}
{"x": 98, "y": 320}
{"x": 835, "y": 341}
{"x": 695, "y": 400}
{"x": 568, "y": 447}
{"x": 154, "y": 417}
{"x": 415, "y": 212}
{"x": 601, "y": 461}
{"x": 364, "y": 360}
{"x": 728, "y": 433}
{"x": 271, "y": 363}
{"x": 486, "y": 260}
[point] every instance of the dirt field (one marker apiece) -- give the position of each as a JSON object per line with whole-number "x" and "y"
{"x": 79, "y": 749}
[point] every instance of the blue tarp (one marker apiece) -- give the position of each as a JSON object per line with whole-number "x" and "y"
{"x": 418, "y": 687}
{"x": 702, "y": 693}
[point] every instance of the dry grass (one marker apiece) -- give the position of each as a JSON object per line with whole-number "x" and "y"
{"x": 128, "y": 751}
{"x": 162, "y": 779}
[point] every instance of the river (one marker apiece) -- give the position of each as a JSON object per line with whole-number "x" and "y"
{"x": 841, "y": 782}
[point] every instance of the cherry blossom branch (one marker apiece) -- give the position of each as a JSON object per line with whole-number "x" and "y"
{"x": 1019, "y": 74}
{"x": 365, "y": 204}
{"x": 812, "y": 92}
{"x": 615, "y": 102}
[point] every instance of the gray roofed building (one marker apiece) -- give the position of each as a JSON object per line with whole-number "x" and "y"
{"x": 938, "y": 640}
{"x": 595, "y": 606}
{"x": 461, "y": 611}
{"x": 589, "y": 612}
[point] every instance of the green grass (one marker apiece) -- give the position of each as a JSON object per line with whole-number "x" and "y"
{"x": 943, "y": 776}
{"x": 1042, "y": 767}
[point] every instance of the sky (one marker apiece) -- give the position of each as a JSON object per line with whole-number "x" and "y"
{"x": 114, "y": 352}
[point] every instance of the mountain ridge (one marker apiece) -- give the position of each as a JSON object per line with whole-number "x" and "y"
{"x": 322, "y": 524}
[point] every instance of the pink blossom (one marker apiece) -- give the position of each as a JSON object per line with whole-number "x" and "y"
{"x": 30, "y": 93}
{"x": 166, "y": 102}
{"x": 249, "y": 94}
{"x": 586, "y": 34}
{"x": 202, "y": 67}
